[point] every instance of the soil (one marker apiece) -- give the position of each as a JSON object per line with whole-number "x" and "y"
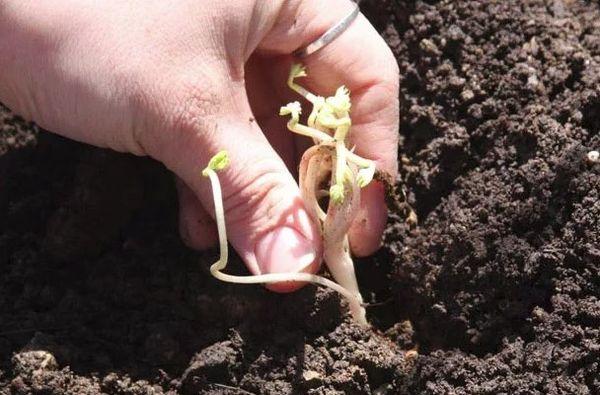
{"x": 496, "y": 290}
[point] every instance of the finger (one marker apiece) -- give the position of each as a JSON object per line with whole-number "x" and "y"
{"x": 361, "y": 60}
{"x": 267, "y": 222}
{"x": 368, "y": 225}
{"x": 196, "y": 227}
{"x": 375, "y": 137}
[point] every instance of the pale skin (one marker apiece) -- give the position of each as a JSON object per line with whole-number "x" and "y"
{"x": 179, "y": 81}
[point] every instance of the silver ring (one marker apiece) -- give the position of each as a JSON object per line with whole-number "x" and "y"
{"x": 329, "y": 35}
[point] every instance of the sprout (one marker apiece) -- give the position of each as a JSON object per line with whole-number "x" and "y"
{"x": 336, "y": 193}
{"x": 367, "y": 168}
{"x": 328, "y": 161}
{"x": 365, "y": 175}
{"x": 329, "y": 124}
{"x": 217, "y": 163}
{"x": 294, "y": 109}
{"x": 297, "y": 70}
{"x": 341, "y": 101}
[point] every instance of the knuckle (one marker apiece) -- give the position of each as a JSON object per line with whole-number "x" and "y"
{"x": 184, "y": 110}
{"x": 174, "y": 113}
{"x": 192, "y": 106}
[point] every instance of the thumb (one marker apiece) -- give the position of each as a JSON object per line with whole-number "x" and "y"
{"x": 267, "y": 222}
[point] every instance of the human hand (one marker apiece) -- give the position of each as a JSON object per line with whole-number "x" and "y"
{"x": 181, "y": 81}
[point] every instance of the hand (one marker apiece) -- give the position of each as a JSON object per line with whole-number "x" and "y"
{"x": 181, "y": 81}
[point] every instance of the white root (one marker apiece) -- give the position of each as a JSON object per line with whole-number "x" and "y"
{"x": 336, "y": 250}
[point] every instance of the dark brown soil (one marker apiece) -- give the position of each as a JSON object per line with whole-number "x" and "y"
{"x": 498, "y": 287}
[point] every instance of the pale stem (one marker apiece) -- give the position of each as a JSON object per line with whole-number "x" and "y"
{"x": 342, "y": 268}
{"x": 302, "y": 91}
{"x": 340, "y": 162}
{"x": 317, "y": 105}
{"x": 336, "y": 252}
{"x": 359, "y": 160}
{"x": 309, "y": 132}
{"x": 342, "y": 125}
{"x": 220, "y": 217}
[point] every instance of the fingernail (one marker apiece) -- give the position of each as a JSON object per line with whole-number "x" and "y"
{"x": 284, "y": 250}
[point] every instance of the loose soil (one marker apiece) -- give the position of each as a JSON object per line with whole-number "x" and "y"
{"x": 496, "y": 290}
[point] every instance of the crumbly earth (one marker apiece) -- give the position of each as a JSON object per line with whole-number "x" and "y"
{"x": 496, "y": 290}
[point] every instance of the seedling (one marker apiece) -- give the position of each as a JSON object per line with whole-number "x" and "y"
{"x": 329, "y": 161}
{"x": 219, "y": 162}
